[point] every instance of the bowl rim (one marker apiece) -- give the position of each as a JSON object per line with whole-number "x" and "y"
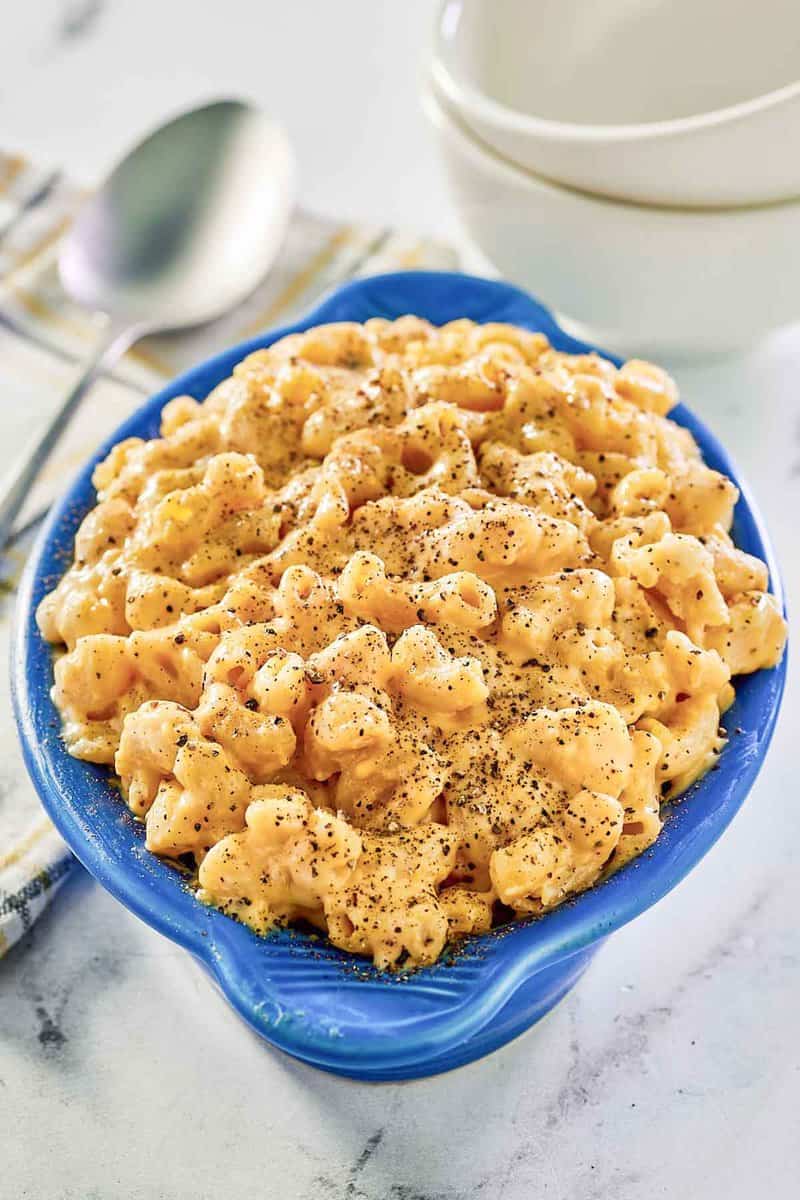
{"x": 466, "y": 94}
{"x": 438, "y": 111}
{"x": 452, "y": 1010}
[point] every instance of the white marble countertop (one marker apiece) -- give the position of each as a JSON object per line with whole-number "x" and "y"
{"x": 673, "y": 1069}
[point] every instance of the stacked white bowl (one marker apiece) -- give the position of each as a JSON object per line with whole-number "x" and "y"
{"x": 634, "y": 163}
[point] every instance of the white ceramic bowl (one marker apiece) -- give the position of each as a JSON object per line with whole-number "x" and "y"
{"x": 677, "y": 102}
{"x": 638, "y": 279}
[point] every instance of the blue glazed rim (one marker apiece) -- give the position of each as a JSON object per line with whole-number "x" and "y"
{"x": 299, "y": 993}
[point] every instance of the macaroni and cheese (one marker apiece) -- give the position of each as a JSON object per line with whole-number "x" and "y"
{"x": 407, "y": 630}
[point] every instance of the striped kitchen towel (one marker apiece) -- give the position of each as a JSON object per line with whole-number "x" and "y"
{"x": 43, "y": 339}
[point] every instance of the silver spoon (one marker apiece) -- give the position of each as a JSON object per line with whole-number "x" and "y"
{"x": 183, "y": 229}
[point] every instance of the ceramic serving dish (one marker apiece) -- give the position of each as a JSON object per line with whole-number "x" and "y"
{"x": 669, "y": 102}
{"x": 298, "y": 992}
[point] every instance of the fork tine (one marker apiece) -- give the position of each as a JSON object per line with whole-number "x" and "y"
{"x": 38, "y": 193}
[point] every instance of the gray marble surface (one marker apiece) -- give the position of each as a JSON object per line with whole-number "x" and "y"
{"x": 673, "y": 1069}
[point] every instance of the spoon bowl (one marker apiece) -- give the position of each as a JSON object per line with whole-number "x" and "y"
{"x": 188, "y": 222}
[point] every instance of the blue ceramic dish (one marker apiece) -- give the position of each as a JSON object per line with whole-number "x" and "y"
{"x": 298, "y": 992}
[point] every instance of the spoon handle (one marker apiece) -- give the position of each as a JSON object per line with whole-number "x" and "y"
{"x": 17, "y": 484}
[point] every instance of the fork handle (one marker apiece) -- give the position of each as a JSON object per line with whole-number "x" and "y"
{"x": 18, "y": 483}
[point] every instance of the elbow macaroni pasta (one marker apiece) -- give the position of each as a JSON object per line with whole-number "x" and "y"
{"x": 405, "y": 629}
